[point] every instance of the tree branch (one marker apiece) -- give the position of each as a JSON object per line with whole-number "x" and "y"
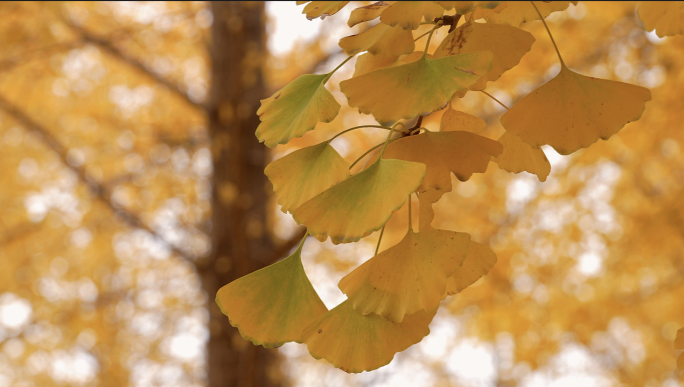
{"x": 96, "y": 189}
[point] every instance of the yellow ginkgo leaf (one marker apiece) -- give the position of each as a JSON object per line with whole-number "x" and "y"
{"x": 483, "y": 13}
{"x": 356, "y": 343}
{"x": 679, "y": 344}
{"x": 407, "y": 277}
{"x": 426, "y": 213}
{"x": 411, "y": 89}
{"x": 322, "y": 9}
{"x": 462, "y": 153}
{"x": 507, "y": 44}
{"x": 305, "y": 173}
{"x": 454, "y": 120}
{"x": 665, "y": 17}
{"x": 380, "y": 40}
{"x": 479, "y": 260}
{"x": 573, "y": 111}
{"x": 295, "y": 109}
{"x": 463, "y": 7}
{"x": 354, "y": 208}
{"x": 518, "y": 12}
{"x": 368, "y": 62}
{"x": 272, "y": 305}
{"x": 369, "y": 12}
{"x": 519, "y": 156}
{"x": 407, "y": 14}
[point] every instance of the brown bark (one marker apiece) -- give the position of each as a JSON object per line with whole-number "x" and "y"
{"x": 240, "y": 243}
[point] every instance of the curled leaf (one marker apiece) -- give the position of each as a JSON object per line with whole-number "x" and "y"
{"x": 519, "y": 156}
{"x": 369, "y": 12}
{"x": 518, "y": 12}
{"x": 380, "y": 40}
{"x": 322, "y": 9}
{"x": 355, "y": 343}
{"x": 454, "y": 120}
{"x": 479, "y": 260}
{"x": 408, "y": 277}
{"x": 407, "y": 14}
{"x": 665, "y": 17}
{"x": 305, "y": 173}
{"x": 272, "y": 305}
{"x": 295, "y": 109}
{"x": 573, "y": 111}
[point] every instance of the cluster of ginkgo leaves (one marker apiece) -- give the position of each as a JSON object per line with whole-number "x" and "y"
{"x": 392, "y": 297}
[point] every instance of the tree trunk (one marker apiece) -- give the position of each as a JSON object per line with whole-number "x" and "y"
{"x": 241, "y": 244}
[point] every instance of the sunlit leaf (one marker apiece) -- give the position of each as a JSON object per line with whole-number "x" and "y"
{"x": 407, "y": 277}
{"x": 426, "y": 213}
{"x": 380, "y": 40}
{"x": 507, "y": 44}
{"x": 479, "y": 260}
{"x": 518, "y": 12}
{"x": 454, "y": 120}
{"x": 369, "y": 12}
{"x": 573, "y": 111}
{"x": 305, "y": 173}
{"x": 322, "y": 9}
{"x": 368, "y": 62}
{"x": 519, "y": 156}
{"x": 354, "y": 208}
{"x": 407, "y": 14}
{"x": 295, "y": 109}
{"x": 463, "y": 7}
{"x": 416, "y": 88}
{"x": 272, "y": 305}
{"x": 483, "y": 13}
{"x": 666, "y": 17}
{"x": 356, "y": 343}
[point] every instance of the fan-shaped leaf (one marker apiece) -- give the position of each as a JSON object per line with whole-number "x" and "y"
{"x": 479, "y": 260}
{"x": 323, "y": 9}
{"x": 295, "y": 109}
{"x": 272, "y": 305}
{"x": 407, "y": 14}
{"x": 356, "y": 343}
{"x": 454, "y": 120}
{"x": 407, "y": 277}
{"x": 305, "y": 173}
{"x": 573, "y": 111}
{"x": 463, "y": 7}
{"x": 354, "y": 208}
{"x": 519, "y": 156}
{"x": 518, "y": 12}
{"x": 416, "y": 88}
{"x": 368, "y": 62}
{"x": 380, "y": 40}
{"x": 666, "y": 17}
{"x": 369, "y": 12}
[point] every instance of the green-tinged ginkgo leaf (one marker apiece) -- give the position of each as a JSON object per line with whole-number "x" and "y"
{"x": 454, "y": 120}
{"x": 426, "y": 213}
{"x": 305, "y": 173}
{"x": 520, "y": 156}
{"x": 665, "y": 17}
{"x": 572, "y": 111}
{"x": 507, "y": 44}
{"x": 322, "y": 9}
{"x": 407, "y": 277}
{"x": 356, "y": 343}
{"x": 415, "y": 88}
{"x": 479, "y": 260}
{"x": 462, "y": 153}
{"x": 679, "y": 344}
{"x": 271, "y": 306}
{"x": 369, "y": 12}
{"x": 380, "y": 40}
{"x": 354, "y": 208}
{"x": 463, "y": 7}
{"x": 518, "y": 12}
{"x": 295, "y": 109}
{"x": 407, "y": 14}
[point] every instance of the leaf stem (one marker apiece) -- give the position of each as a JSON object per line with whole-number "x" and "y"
{"x": 337, "y": 68}
{"x": 410, "y": 224}
{"x": 416, "y": 39}
{"x": 301, "y": 244}
{"x": 427, "y": 45}
{"x": 377, "y": 248}
{"x": 492, "y": 97}
{"x": 358, "y": 127}
{"x": 390, "y": 136}
{"x": 550, "y": 36}
{"x": 369, "y": 151}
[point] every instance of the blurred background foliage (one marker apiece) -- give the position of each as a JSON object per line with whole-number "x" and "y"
{"x": 106, "y": 207}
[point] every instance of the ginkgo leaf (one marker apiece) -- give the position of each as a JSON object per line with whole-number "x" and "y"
{"x": 573, "y": 111}
{"x": 484, "y": 13}
{"x": 271, "y": 306}
{"x": 407, "y": 277}
{"x": 368, "y": 62}
{"x": 507, "y": 44}
{"x": 518, "y": 12}
{"x": 679, "y": 344}
{"x": 462, "y": 153}
{"x": 369, "y": 12}
{"x": 354, "y": 208}
{"x": 426, "y": 213}
{"x": 479, "y": 260}
{"x": 520, "y": 156}
{"x": 322, "y": 9}
{"x": 305, "y": 173}
{"x": 463, "y": 7}
{"x": 407, "y": 14}
{"x": 454, "y": 120}
{"x": 380, "y": 40}
{"x": 666, "y": 17}
{"x": 415, "y": 88}
{"x": 356, "y": 343}
{"x": 295, "y": 109}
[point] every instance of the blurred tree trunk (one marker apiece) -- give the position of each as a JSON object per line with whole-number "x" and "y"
{"x": 241, "y": 244}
